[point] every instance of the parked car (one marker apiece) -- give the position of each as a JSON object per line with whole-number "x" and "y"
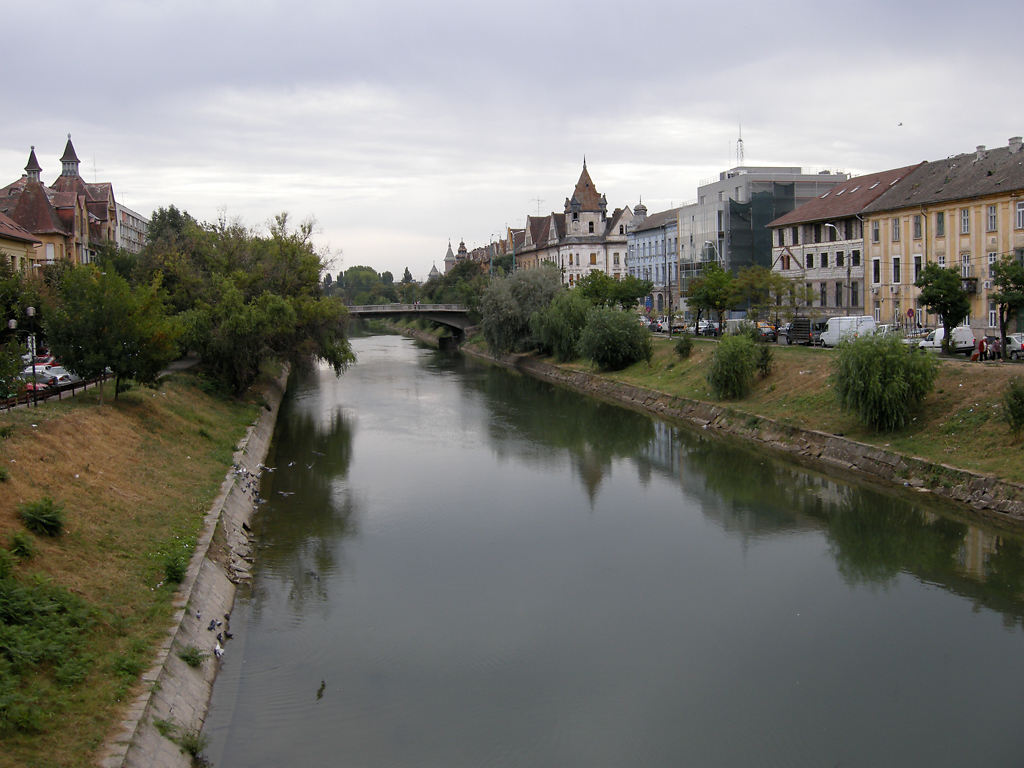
{"x": 1013, "y": 346}
{"x": 41, "y": 381}
{"x": 63, "y": 375}
{"x": 767, "y": 331}
{"x": 817, "y": 328}
{"x": 963, "y": 340}
{"x": 655, "y": 326}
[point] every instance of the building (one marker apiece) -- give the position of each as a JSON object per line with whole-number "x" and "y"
{"x": 821, "y": 243}
{"x": 70, "y": 218}
{"x": 17, "y": 245}
{"x": 653, "y": 254}
{"x": 131, "y": 228}
{"x": 964, "y": 211}
{"x": 729, "y": 222}
{"x": 582, "y": 239}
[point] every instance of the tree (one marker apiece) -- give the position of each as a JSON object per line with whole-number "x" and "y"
{"x": 732, "y": 367}
{"x": 1008, "y": 277}
{"x": 558, "y": 326}
{"x": 605, "y": 291}
{"x": 99, "y": 321}
{"x": 613, "y": 339}
{"x": 407, "y": 276}
{"x": 943, "y": 294}
{"x": 881, "y": 380}
{"x": 508, "y": 303}
{"x": 714, "y": 290}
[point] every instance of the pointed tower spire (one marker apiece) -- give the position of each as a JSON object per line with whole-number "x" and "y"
{"x": 33, "y": 169}
{"x": 69, "y": 160}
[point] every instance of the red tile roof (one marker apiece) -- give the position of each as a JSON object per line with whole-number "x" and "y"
{"x": 845, "y": 199}
{"x": 11, "y": 230}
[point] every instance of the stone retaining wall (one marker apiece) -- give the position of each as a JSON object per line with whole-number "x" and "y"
{"x": 176, "y": 694}
{"x": 989, "y": 496}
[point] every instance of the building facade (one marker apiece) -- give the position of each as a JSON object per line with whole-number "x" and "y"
{"x": 820, "y": 244}
{"x": 131, "y": 228}
{"x": 653, "y": 254}
{"x": 966, "y": 212}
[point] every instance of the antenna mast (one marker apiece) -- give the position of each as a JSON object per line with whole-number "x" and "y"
{"x": 739, "y": 148}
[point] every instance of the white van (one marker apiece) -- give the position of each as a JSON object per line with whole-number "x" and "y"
{"x": 839, "y": 328}
{"x": 963, "y": 339}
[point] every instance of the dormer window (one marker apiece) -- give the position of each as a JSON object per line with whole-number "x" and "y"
{"x": 590, "y": 227}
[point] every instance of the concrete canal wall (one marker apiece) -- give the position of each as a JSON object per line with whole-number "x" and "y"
{"x": 990, "y": 497}
{"x": 177, "y": 696}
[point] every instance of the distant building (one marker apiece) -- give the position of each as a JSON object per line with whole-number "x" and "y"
{"x": 17, "y": 244}
{"x": 821, "y": 243}
{"x": 653, "y": 254}
{"x": 966, "y": 212}
{"x": 131, "y": 229}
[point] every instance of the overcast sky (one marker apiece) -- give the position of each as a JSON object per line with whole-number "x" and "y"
{"x": 399, "y": 125}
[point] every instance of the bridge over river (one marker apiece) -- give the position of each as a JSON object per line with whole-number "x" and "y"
{"x": 454, "y": 316}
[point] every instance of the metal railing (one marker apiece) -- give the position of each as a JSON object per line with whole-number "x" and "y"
{"x": 364, "y": 309}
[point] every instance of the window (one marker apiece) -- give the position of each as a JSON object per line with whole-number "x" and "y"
{"x": 622, "y": 229}
{"x": 965, "y": 221}
{"x": 839, "y": 294}
{"x": 839, "y": 259}
{"x": 1020, "y": 214}
{"x": 993, "y": 320}
{"x": 854, "y": 291}
{"x": 965, "y": 265}
{"x": 823, "y": 294}
{"x": 993, "y": 219}
{"x": 895, "y": 224}
{"x": 855, "y": 258}
{"x": 810, "y": 260}
{"x": 782, "y": 236}
{"x": 590, "y": 227}
{"x": 940, "y": 224}
{"x": 874, "y": 231}
{"x": 817, "y": 233}
{"x": 896, "y": 276}
{"x": 876, "y": 271}
{"x": 824, "y": 259}
{"x": 993, "y": 257}
{"x": 593, "y": 258}
{"x": 615, "y": 258}
{"x": 785, "y": 261}
{"x": 917, "y": 226}
{"x": 917, "y": 267}
{"x": 942, "y": 260}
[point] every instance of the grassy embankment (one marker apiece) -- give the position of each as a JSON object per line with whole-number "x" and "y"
{"x": 961, "y": 423}
{"x": 80, "y": 618}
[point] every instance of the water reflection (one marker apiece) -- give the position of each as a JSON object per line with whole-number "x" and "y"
{"x": 873, "y": 535}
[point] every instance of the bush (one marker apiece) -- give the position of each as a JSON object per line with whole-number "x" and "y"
{"x": 23, "y": 545}
{"x": 732, "y": 367}
{"x": 6, "y": 564}
{"x": 192, "y": 656}
{"x": 176, "y": 563}
{"x": 1013, "y": 404}
{"x": 765, "y": 359}
{"x": 614, "y": 339}
{"x": 558, "y": 326}
{"x": 3, "y": 474}
{"x": 684, "y": 347}
{"x": 43, "y": 517}
{"x": 880, "y": 379}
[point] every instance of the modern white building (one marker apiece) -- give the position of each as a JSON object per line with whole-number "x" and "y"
{"x": 131, "y": 229}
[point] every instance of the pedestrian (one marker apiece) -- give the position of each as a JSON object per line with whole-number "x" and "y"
{"x": 982, "y": 349}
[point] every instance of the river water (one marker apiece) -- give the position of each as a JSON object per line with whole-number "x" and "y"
{"x": 460, "y": 566}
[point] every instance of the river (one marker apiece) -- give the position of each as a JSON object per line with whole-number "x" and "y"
{"x": 461, "y": 566}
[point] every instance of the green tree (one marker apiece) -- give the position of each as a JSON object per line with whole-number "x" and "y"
{"x": 882, "y": 380}
{"x": 732, "y": 367}
{"x": 1008, "y": 277}
{"x": 407, "y": 276}
{"x": 613, "y": 339}
{"x": 508, "y": 303}
{"x": 605, "y": 291}
{"x": 943, "y": 294}
{"x": 99, "y": 321}
{"x": 558, "y": 326}
{"x": 713, "y": 291}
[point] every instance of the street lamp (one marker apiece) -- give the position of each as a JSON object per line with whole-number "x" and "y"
{"x": 839, "y": 236}
{"x": 30, "y": 341}
{"x": 718, "y": 255}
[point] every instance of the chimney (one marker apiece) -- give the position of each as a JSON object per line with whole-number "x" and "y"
{"x": 1015, "y": 144}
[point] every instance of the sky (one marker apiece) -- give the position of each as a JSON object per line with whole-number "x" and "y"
{"x": 401, "y": 125}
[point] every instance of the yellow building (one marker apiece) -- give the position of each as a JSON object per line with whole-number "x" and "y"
{"x": 17, "y": 244}
{"x": 965, "y": 212}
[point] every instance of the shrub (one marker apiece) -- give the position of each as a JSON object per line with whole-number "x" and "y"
{"x": 748, "y": 329}
{"x": 23, "y": 545}
{"x": 684, "y": 347}
{"x": 732, "y": 367}
{"x": 176, "y": 562}
{"x": 6, "y": 564}
{"x": 1013, "y": 404}
{"x": 192, "y": 656}
{"x": 880, "y": 379}
{"x": 3, "y": 474}
{"x": 43, "y": 516}
{"x": 192, "y": 743}
{"x": 614, "y": 339}
{"x": 558, "y": 326}
{"x": 765, "y": 359}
